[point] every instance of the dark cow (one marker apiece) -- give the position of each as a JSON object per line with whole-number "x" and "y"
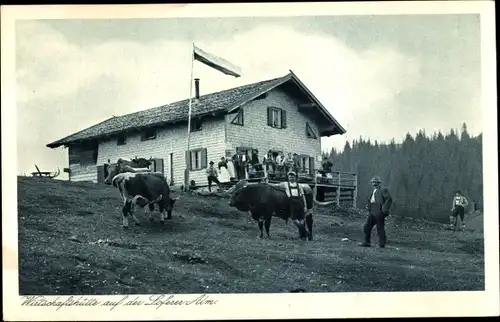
{"x": 264, "y": 200}
{"x": 142, "y": 189}
{"x": 141, "y": 162}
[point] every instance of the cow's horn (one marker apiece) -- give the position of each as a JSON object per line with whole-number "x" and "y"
{"x": 323, "y": 204}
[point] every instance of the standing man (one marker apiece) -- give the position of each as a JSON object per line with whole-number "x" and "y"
{"x": 238, "y": 165}
{"x": 279, "y": 161}
{"x": 378, "y": 206}
{"x": 288, "y": 163}
{"x": 212, "y": 176}
{"x": 458, "y": 208}
{"x": 298, "y": 204}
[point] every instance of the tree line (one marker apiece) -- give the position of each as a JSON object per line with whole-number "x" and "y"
{"x": 422, "y": 173}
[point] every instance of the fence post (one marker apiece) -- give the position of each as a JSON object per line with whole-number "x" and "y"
{"x": 338, "y": 191}
{"x": 355, "y": 193}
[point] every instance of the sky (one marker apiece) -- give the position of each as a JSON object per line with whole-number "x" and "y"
{"x": 379, "y": 76}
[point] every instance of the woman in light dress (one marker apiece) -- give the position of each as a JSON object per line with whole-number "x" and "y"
{"x": 231, "y": 169}
{"x": 224, "y": 175}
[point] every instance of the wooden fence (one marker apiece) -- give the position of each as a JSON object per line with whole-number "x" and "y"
{"x": 337, "y": 186}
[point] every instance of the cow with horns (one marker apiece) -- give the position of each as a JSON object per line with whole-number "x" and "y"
{"x": 264, "y": 200}
{"x": 139, "y": 186}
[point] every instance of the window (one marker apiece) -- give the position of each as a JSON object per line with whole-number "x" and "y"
{"x": 83, "y": 154}
{"x": 244, "y": 149}
{"x": 304, "y": 163}
{"x": 197, "y": 159}
{"x": 149, "y": 134}
{"x": 88, "y": 157}
{"x": 310, "y": 132}
{"x": 276, "y": 117}
{"x": 121, "y": 140}
{"x": 195, "y": 125}
{"x": 238, "y": 119}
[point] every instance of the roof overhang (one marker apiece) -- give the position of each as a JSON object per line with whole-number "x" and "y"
{"x": 64, "y": 142}
{"x": 320, "y": 106}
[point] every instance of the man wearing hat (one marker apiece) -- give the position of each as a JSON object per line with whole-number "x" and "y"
{"x": 212, "y": 176}
{"x": 379, "y": 202}
{"x": 294, "y": 191}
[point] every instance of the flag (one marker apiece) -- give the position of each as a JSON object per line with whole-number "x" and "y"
{"x": 216, "y": 62}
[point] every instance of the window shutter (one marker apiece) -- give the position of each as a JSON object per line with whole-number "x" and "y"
{"x": 311, "y": 165}
{"x": 283, "y": 119}
{"x": 188, "y": 160}
{"x": 269, "y": 116}
{"x": 158, "y": 165}
{"x": 203, "y": 158}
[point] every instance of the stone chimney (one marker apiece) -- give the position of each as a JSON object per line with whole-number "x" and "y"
{"x": 197, "y": 88}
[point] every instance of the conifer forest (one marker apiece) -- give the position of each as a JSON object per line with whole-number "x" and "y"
{"x": 422, "y": 172}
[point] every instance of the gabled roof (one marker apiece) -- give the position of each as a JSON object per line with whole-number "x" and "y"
{"x": 218, "y": 102}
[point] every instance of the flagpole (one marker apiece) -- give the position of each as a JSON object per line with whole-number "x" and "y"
{"x": 186, "y": 173}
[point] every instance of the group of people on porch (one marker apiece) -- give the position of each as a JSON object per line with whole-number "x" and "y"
{"x": 271, "y": 162}
{"x": 243, "y": 165}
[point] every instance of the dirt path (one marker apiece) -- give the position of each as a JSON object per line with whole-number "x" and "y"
{"x": 71, "y": 242}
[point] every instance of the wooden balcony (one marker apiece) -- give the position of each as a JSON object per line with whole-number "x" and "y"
{"x": 337, "y": 186}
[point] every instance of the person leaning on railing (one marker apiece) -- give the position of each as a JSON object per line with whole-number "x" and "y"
{"x": 279, "y": 162}
{"x": 257, "y": 166}
{"x": 296, "y": 164}
{"x": 326, "y": 167}
{"x": 288, "y": 162}
{"x": 269, "y": 161}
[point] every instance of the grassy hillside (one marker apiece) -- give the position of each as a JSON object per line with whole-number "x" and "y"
{"x": 71, "y": 242}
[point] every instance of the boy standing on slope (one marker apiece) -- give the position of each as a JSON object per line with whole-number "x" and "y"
{"x": 458, "y": 208}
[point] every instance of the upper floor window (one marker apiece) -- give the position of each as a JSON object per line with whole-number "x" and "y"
{"x": 310, "y": 133}
{"x": 238, "y": 119}
{"x": 276, "y": 117}
{"x": 121, "y": 140}
{"x": 149, "y": 134}
{"x": 195, "y": 125}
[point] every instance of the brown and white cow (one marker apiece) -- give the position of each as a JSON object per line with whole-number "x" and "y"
{"x": 135, "y": 165}
{"x": 142, "y": 189}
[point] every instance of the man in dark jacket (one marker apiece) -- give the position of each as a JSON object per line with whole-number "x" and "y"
{"x": 379, "y": 202}
{"x": 238, "y": 166}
